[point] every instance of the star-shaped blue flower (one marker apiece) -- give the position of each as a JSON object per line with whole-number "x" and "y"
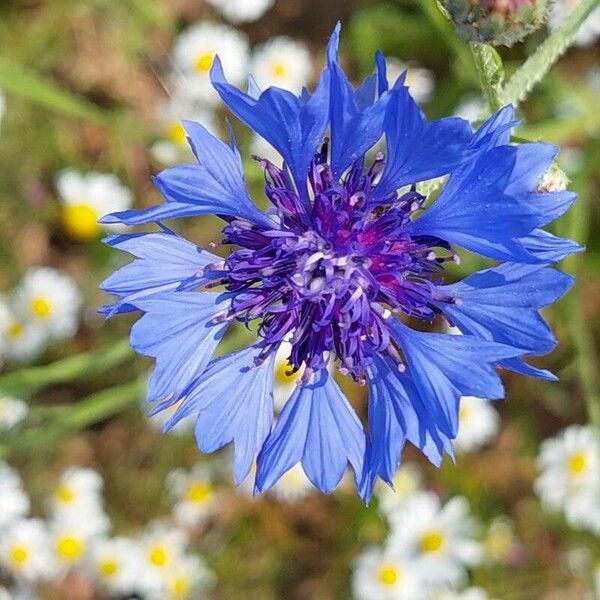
{"x": 347, "y": 252}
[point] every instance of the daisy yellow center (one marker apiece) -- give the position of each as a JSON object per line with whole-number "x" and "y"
{"x": 15, "y": 330}
{"x": 279, "y": 70}
{"x": 180, "y": 587}
{"x": 177, "y": 133}
{"x": 463, "y": 413}
{"x": 70, "y": 548}
{"x": 432, "y": 541}
{"x": 81, "y": 222}
{"x": 65, "y": 494}
{"x": 577, "y": 463}
{"x": 19, "y": 555}
{"x": 158, "y": 556}
{"x": 204, "y": 62}
{"x": 109, "y": 567}
{"x": 281, "y": 374}
{"x": 199, "y": 492}
{"x": 41, "y": 307}
{"x": 388, "y": 574}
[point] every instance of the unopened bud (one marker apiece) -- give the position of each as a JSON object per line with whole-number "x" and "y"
{"x": 496, "y": 22}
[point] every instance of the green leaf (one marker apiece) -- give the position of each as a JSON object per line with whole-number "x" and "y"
{"x": 490, "y": 72}
{"x": 20, "y": 80}
{"x": 28, "y": 380}
{"x": 536, "y": 67}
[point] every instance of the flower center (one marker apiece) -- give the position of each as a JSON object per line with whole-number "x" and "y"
{"x": 577, "y": 463}
{"x": 279, "y": 70}
{"x": 70, "y": 548}
{"x": 180, "y": 587}
{"x": 19, "y": 555}
{"x": 330, "y": 273}
{"x": 432, "y": 542}
{"x": 15, "y": 330}
{"x": 109, "y": 567}
{"x": 284, "y": 375}
{"x": 177, "y": 133}
{"x": 81, "y": 222}
{"x": 204, "y": 62}
{"x": 388, "y": 575}
{"x": 65, "y": 494}
{"x": 41, "y": 307}
{"x": 199, "y": 492}
{"x": 158, "y": 556}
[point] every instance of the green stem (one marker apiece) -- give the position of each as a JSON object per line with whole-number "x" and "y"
{"x": 91, "y": 410}
{"x": 536, "y": 67}
{"x": 490, "y": 73}
{"x": 29, "y": 380}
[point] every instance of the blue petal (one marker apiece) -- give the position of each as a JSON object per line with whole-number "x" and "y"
{"x": 163, "y": 262}
{"x": 233, "y": 401}
{"x": 474, "y": 211}
{"x": 293, "y": 126}
{"x": 548, "y": 248}
{"x": 418, "y": 149}
{"x": 346, "y": 118}
{"x": 518, "y": 365}
{"x": 445, "y": 367}
{"x": 318, "y": 428}
{"x": 396, "y": 414}
{"x": 214, "y": 186}
{"x": 178, "y": 330}
{"x": 496, "y": 130}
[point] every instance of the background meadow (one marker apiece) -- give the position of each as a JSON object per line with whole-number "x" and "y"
{"x": 95, "y": 502}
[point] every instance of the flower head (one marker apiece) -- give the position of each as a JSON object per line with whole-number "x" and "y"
{"x": 347, "y": 253}
{"x": 240, "y": 11}
{"x": 14, "y": 502}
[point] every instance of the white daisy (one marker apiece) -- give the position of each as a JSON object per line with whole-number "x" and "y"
{"x": 116, "y": 565}
{"x": 441, "y": 537}
{"x": 12, "y": 412}
{"x": 85, "y": 198}
{"x": 293, "y": 486}
{"x": 20, "y": 340}
{"x": 382, "y": 575}
{"x": 14, "y": 502}
{"x": 569, "y": 479}
{"x": 78, "y": 489}
{"x": 25, "y": 550}
{"x": 588, "y": 32}
{"x": 420, "y": 81}
{"x": 193, "y": 494}
{"x": 174, "y": 148}
{"x": 407, "y": 480}
{"x": 194, "y": 53}
{"x": 188, "y": 579}
{"x": 73, "y": 534}
{"x": 163, "y": 549}
{"x": 49, "y": 299}
{"x": 240, "y": 11}
{"x": 478, "y": 423}
{"x": 282, "y": 62}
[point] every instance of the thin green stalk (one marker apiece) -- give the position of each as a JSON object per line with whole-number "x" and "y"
{"x": 28, "y": 380}
{"x": 89, "y": 411}
{"x": 490, "y": 73}
{"x": 536, "y": 67}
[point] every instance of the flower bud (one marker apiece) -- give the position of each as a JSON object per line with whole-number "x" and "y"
{"x": 496, "y": 22}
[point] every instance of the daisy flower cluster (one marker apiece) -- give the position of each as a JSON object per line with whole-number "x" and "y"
{"x": 430, "y": 549}
{"x": 74, "y": 540}
{"x": 44, "y": 307}
{"x": 277, "y": 61}
{"x": 569, "y": 476}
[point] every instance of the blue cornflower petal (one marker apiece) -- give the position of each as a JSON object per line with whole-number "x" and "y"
{"x": 502, "y": 304}
{"x": 397, "y": 414}
{"x": 318, "y": 428}
{"x": 177, "y": 329}
{"x": 233, "y": 401}
{"x": 475, "y": 212}
{"x": 163, "y": 262}
{"x": 496, "y": 130}
{"x": 418, "y": 149}
{"x": 548, "y": 248}
{"x": 213, "y": 186}
{"x": 346, "y": 117}
{"x": 445, "y": 367}
{"x": 293, "y": 126}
